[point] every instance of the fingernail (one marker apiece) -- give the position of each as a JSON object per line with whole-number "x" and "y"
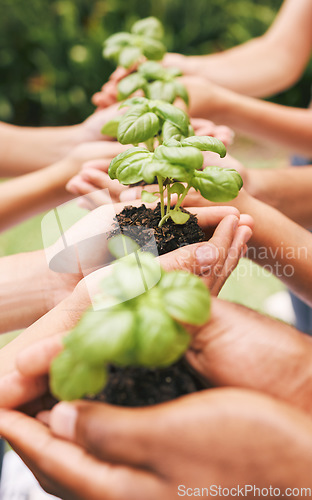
{"x": 63, "y": 420}
{"x": 207, "y": 254}
{"x": 129, "y": 194}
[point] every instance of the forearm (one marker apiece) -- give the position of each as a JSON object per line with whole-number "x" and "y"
{"x": 28, "y": 289}
{"x": 288, "y": 190}
{"x": 248, "y": 69}
{"x": 25, "y": 149}
{"x": 291, "y": 128}
{"x": 280, "y": 246}
{"x": 35, "y": 192}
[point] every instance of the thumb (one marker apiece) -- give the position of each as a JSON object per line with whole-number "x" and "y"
{"x": 118, "y": 435}
{"x": 195, "y": 258}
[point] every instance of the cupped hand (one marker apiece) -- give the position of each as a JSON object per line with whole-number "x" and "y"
{"x": 91, "y": 451}
{"x": 90, "y": 129}
{"x": 202, "y": 126}
{"x": 213, "y": 260}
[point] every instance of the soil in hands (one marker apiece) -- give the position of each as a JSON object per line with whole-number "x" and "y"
{"x": 168, "y": 237}
{"x": 136, "y": 386}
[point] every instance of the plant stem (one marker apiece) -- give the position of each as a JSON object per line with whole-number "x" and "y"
{"x": 161, "y": 192}
{"x": 183, "y": 195}
{"x": 150, "y": 144}
{"x": 168, "y": 200}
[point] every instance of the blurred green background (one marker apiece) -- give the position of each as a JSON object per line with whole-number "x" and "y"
{"x": 51, "y": 50}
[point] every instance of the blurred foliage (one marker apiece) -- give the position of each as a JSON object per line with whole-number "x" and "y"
{"x": 51, "y": 50}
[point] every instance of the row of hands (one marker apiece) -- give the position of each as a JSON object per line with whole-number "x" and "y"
{"x": 91, "y": 450}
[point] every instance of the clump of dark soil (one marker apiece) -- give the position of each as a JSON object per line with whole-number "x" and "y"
{"x": 168, "y": 237}
{"x": 136, "y": 386}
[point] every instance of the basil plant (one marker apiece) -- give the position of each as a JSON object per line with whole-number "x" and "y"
{"x": 138, "y": 325}
{"x": 144, "y": 41}
{"x": 176, "y": 162}
{"x": 156, "y": 82}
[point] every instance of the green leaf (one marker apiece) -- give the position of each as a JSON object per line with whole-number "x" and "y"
{"x": 148, "y": 197}
{"x": 161, "y": 90}
{"x": 173, "y": 142}
{"x": 110, "y": 128}
{"x": 121, "y": 245}
{"x": 205, "y": 143}
{"x": 179, "y": 217}
{"x": 189, "y": 158}
{"x": 165, "y": 169}
{"x": 105, "y": 336}
{"x": 139, "y": 153}
{"x": 112, "y": 52}
{"x": 137, "y": 125}
{"x": 129, "y": 55}
{"x": 186, "y": 297}
{"x": 152, "y": 70}
{"x": 131, "y": 171}
{"x": 130, "y": 84}
{"x": 136, "y": 273}
{"x": 181, "y": 91}
{"x": 149, "y": 26}
{"x": 173, "y": 72}
{"x": 121, "y": 39}
{"x": 170, "y": 131}
{"x": 134, "y": 100}
{"x": 172, "y": 114}
{"x": 153, "y": 49}
{"x": 218, "y": 184}
{"x": 72, "y": 378}
{"x": 160, "y": 341}
{"x": 177, "y": 188}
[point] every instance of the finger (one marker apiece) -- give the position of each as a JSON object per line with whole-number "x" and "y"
{"x": 78, "y": 186}
{"x": 100, "y": 164}
{"x": 135, "y": 192}
{"x": 68, "y": 471}
{"x": 16, "y": 390}
{"x": 235, "y": 252}
{"x": 102, "y": 100}
{"x": 209, "y": 217}
{"x": 195, "y": 258}
{"x": 36, "y": 359}
{"x": 101, "y": 180}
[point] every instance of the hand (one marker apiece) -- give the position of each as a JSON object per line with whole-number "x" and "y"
{"x": 206, "y": 98}
{"x": 108, "y": 93}
{"x": 104, "y": 151}
{"x": 218, "y": 437}
{"x": 213, "y": 261}
{"x": 90, "y": 129}
{"x": 207, "y": 127}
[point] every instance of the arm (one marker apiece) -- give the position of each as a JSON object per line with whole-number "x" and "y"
{"x": 265, "y": 65}
{"x": 25, "y": 149}
{"x": 288, "y": 190}
{"x": 286, "y": 126}
{"x": 37, "y": 191}
{"x": 29, "y": 289}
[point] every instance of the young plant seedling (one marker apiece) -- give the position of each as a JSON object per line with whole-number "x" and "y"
{"x": 138, "y": 325}
{"x": 176, "y": 162}
{"x": 144, "y": 41}
{"x": 155, "y": 81}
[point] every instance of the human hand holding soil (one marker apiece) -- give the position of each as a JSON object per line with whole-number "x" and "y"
{"x": 220, "y": 437}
